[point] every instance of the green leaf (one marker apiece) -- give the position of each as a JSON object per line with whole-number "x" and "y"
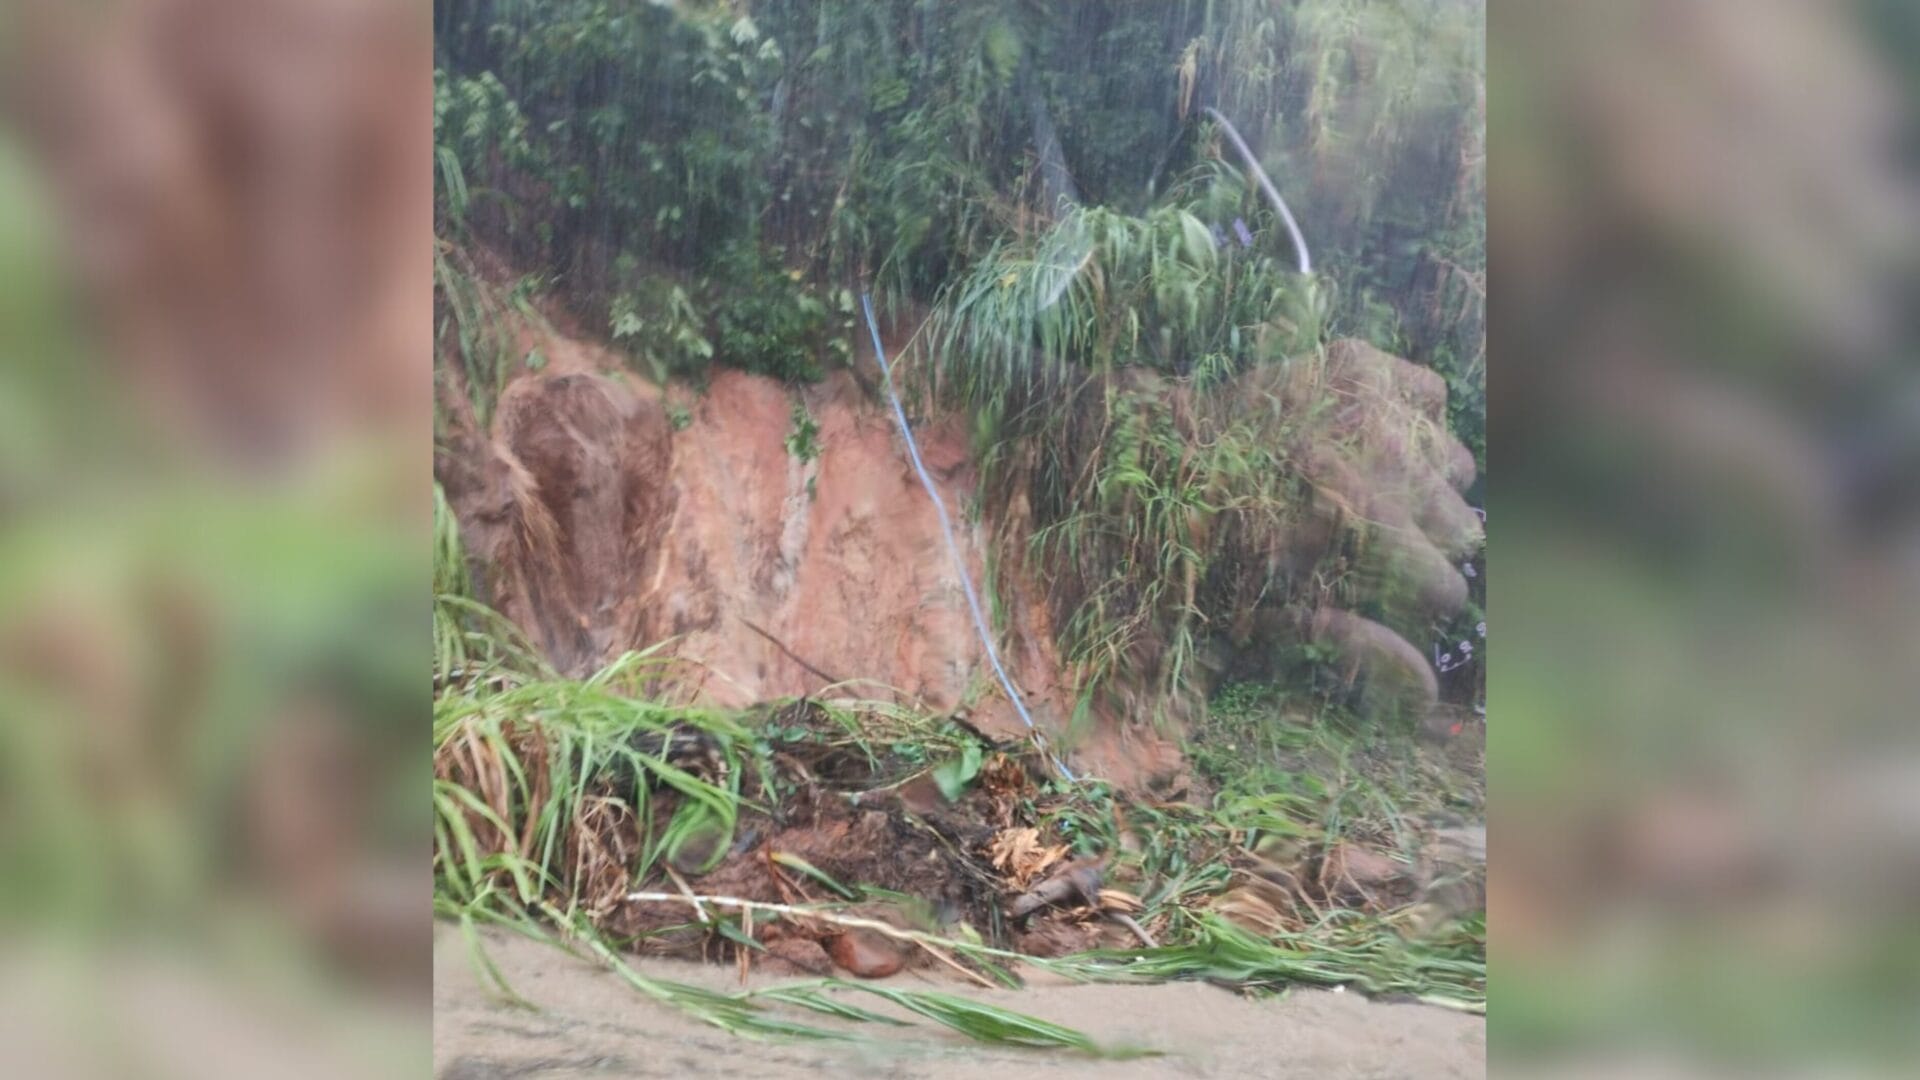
{"x": 732, "y": 932}
{"x": 955, "y": 774}
{"x": 792, "y": 861}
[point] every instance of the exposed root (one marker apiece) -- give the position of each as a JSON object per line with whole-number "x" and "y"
{"x": 1130, "y": 923}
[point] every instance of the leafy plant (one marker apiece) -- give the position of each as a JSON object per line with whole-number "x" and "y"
{"x": 953, "y": 775}
{"x": 803, "y": 441}
{"x": 894, "y": 144}
{"x": 770, "y": 323}
{"x": 1094, "y": 357}
{"x": 474, "y": 345}
{"x": 659, "y": 326}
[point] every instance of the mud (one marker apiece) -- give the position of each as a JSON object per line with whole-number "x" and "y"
{"x": 589, "y": 1024}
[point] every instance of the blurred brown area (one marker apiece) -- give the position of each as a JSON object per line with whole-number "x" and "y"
{"x": 237, "y": 182}
{"x": 1705, "y": 423}
{"x": 215, "y": 218}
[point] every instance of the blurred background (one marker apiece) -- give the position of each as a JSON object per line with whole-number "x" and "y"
{"x": 215, "y": 313}
{"x": 1705, "y": 413}
{"x": 215, "y": 301}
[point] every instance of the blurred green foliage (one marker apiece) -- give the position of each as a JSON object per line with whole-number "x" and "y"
{"x": 167, "y": 630}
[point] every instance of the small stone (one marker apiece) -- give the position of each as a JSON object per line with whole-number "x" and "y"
{"x": 866, "y": 954}
{"x": 803, "y": 953}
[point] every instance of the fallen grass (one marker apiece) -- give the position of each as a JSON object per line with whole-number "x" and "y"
{"x": 747, "y": 1012}
{"x": 1348, "y": 950}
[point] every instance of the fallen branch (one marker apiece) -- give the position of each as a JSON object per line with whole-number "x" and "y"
{"x": 1139, "y": 931}
{"x": 790, "y": 654}
{"x": 851, "y": 921}
{"x": 1078, "y": 880}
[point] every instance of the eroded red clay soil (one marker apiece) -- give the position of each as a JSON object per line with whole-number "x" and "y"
{"x": 602, "y": 528}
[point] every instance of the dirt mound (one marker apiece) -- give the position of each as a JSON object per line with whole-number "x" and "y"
{"x": 839, "y": 822}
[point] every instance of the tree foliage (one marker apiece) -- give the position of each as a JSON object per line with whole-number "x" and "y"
{"x": 775, "y": 152}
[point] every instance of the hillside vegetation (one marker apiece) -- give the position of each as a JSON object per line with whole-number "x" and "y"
{"x": 1194, "y": 470}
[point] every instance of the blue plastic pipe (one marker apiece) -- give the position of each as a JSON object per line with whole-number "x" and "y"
{"x": 946, "y": 533}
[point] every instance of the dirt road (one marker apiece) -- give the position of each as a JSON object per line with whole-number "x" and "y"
{"x": 592, "y": 1025}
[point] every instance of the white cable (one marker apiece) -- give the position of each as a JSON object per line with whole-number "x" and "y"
{"x": 946, "y": 533}
{"x": 1266, "y": 185}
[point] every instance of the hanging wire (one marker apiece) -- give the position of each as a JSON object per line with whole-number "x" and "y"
{"x": 953, "y": 549}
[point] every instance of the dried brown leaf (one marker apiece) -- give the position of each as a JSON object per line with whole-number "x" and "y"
{"x": 1019, "y": 854}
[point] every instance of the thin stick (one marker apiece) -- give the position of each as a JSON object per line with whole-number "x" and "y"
{"x": 746, "y": 954}
{"x": 687, "y": 894}
{"x": 790, "y": 654}
{"x": 955, "y": 965}
{"x": 854, "y": 921}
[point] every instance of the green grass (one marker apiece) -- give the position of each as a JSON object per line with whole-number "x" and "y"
{"x": 1090, "y": 356}
{"x": 1264, "y": 737}
{"x": 524, "y": 761}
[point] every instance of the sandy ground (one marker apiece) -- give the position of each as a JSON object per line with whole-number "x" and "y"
{"x": 591, "y": 1025}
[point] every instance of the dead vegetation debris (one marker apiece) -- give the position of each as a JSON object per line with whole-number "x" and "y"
{"x": 834, "y": 842}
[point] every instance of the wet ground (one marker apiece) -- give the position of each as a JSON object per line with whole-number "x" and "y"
{"x": 591, "y": 1025}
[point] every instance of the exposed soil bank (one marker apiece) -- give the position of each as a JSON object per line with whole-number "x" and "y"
{"x": 592, "y": 1025}
{"x": 610, "y": 515}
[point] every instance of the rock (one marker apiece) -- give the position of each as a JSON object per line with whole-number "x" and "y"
{"x": 1367, "y": 869}
{"x": 803, "y": 953}
{"x": 866, "y": 954}
{"x": 1391, "y": 669}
